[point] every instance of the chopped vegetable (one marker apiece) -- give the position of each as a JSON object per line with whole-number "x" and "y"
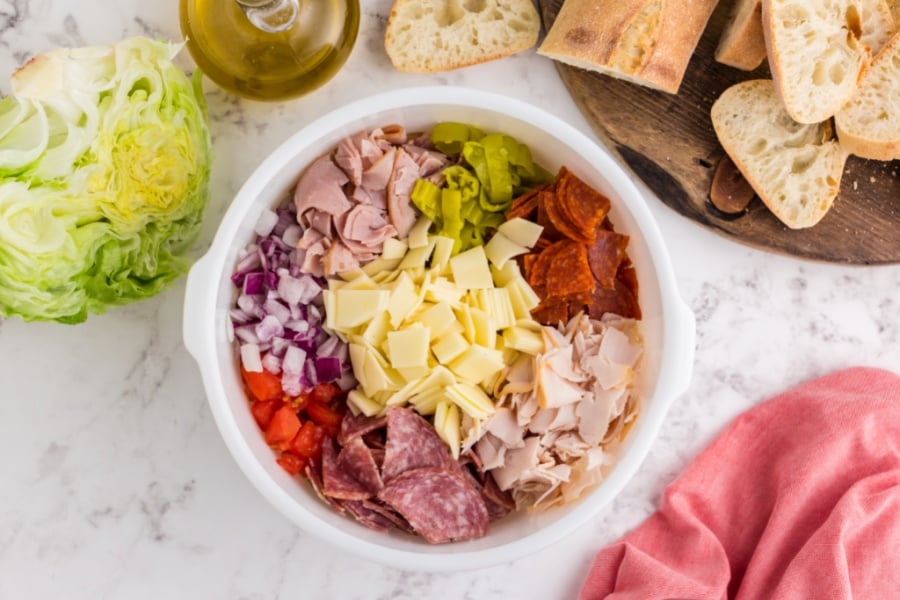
{"x": 104, "y": 170}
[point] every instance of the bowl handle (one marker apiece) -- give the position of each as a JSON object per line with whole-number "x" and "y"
{"x": 195, "y": 293}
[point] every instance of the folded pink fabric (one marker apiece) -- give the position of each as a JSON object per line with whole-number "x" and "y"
{"x": 799, "y": 498}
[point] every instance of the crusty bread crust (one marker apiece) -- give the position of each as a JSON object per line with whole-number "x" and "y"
{"x": 649, "y": 42}
{"x": 742, "y": 44}
{"x": 795, "y": 168}
{"x": 869, "y": 125}
{"x": 430, "y": 36}
{"x": 815, "y": 54}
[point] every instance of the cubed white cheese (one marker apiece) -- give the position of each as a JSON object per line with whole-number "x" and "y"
{"x": 521, "y": 231}
{"x": 470, "y": 269}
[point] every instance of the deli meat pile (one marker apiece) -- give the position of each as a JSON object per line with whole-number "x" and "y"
{"x": 394, "y": 471}
{"x": 435, "y": 332}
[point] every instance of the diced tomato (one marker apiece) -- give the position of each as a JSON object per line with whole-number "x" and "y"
{"x": 324, "y": 416}
{"x": 292, "y": 463}
{"x": 304, "y": 443}
{"x": 324, "y": 393}
{"x": 263, "y": 410}
{"x": 263, "y": 385}
{"x": 283, "y": 427}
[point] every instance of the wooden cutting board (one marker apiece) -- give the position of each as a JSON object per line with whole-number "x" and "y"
{"x": 669, "y": 142}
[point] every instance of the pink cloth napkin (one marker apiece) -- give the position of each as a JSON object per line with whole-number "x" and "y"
{"x": 798, "y": 498}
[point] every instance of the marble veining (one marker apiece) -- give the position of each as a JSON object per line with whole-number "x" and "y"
{"x": 116, "y": 483}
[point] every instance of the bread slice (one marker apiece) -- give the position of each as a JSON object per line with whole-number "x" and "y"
{"x": 428, "y": 36}
{"x": 895, "y": 11}
{"x": 742, "y": 44}
{"x": 649, "y": 42}
{"x": 869, "y": 125}
{"x": 815, "y": 54}
{"x": 795, "y": 168}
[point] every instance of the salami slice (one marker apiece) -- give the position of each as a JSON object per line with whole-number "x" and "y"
{"x": 315, "y": 480}
{"x": 389, "y": 513}
{"x": 358, "y": 425}
{"x": 412, "y": 443}
{"x": 337, "y": 482}
{"x": 367, "y": 517}
{"x": 356, "y": 460}
{"x": 440, "y": 505}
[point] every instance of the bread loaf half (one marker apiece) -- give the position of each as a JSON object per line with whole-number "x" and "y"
{"x": 795, "y": 168}
{"x": 817, "y": 53}
{"x": 742, "y": 44}
{"x": 649, "y": 42}
{"x": 427, "y": 36}
{"x": 869, "y": 125}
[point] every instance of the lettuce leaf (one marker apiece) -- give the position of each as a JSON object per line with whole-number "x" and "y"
{"x": 104, "y": 179}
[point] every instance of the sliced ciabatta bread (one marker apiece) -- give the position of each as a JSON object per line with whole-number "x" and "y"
{"x": 815, "y": 53}
{"x": 876, "y": 23}
{"x": 869, "y": 125}
{"x": 742, "y": 44}
{"x": 795, "y": 168}
{"x": 649, "y": 42}
{"x": 427, "y": 36}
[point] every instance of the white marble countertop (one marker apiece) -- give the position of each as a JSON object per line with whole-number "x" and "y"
{"x": 116, "y": 483}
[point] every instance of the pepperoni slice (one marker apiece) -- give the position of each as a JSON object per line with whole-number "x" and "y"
{"x": 442, "y": 506}
{"x": 552, "y": 315}
{"x": 570, "y": 272}
{"x": 581, "y": 203}
{"x": 619, "y": 300}
{"x": 550, "y": 232}
{"x": 563, "y": 224}
{"x": 605, "y": 256}
{"x": 411, "y": 443}
{"x": 357, "y": 460}
{"x": 526, "y": 205}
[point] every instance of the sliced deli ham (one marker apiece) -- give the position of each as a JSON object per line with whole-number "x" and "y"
{"x": 440, "y": 505}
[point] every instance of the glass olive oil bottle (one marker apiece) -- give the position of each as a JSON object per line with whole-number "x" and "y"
{"x": 270, "y": 49}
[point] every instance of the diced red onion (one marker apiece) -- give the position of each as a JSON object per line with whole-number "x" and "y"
{"x": 292, "y": 235}
{"x": 250, "y": 358}
{"x": 254, "y": 283}
{"x": 327, "y": 369}
{"x": 247, "y": 334}
{"x": 266, "y": 223}
{"x": 294, "y": 359}
{"x": 276, "y": 309}
{"x": 328, "y": 346}
{"x": 269, "y": 328}
{"x": 280, "y": 346}
{"x": 271, "y": 363}
{"x": 252, "y": 305}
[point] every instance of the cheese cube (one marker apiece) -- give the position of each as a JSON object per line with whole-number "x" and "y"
{"x": 417, "y": 257}
{"x": 403, "y": 299}
{"x": 471, "y": 399}
{"x": 444, "y": 290}
{"x": 426, "y": 402}
{"x": 376, "y": 330}
{"x": 380, "y": 268}
{"x": 438, "y": 319}
{"x": 418, "y": 235}
{"x": 446, "y": 423}
{"x": 500, "y": 249}
{"x": 355, "y": 307}
{"x": 521, "y": 231}
{"x": 477, "y": 363}
{"x": 409, "y": 347}
{"x": 507, "y": 273}
{"x": 449, "y": 347}
{"x": 470, "y": 269}
{"x": 393, "y": 248}
{"x": 443, "y": 249}
{"x": 363, "y": 404}
{"x": 523, "y": 340}
{"x": 413, "y": 374}
{"x": 485, "y": 328}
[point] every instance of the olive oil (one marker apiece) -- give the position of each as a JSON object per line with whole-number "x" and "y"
{"x": 243, "y": 58}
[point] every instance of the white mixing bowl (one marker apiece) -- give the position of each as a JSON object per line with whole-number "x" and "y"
{"x": 668, "y": 325}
